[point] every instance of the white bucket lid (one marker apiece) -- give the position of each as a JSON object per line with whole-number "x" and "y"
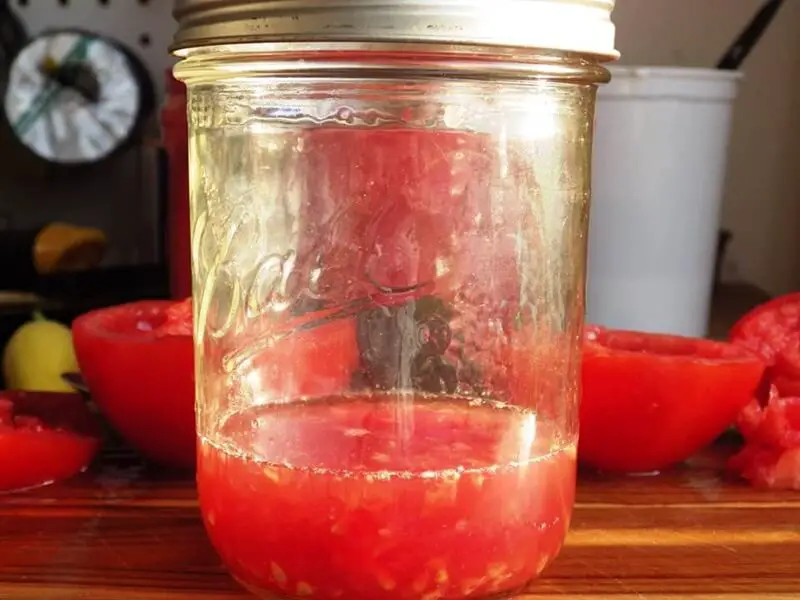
{"x": 690, "y": 83}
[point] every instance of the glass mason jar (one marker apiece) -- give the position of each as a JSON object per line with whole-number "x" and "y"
{"x": 389, "y": 215}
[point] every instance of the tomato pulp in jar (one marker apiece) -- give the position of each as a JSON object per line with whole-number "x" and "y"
{"x": 386, "y": 495}
{"x": 426, "y": 452}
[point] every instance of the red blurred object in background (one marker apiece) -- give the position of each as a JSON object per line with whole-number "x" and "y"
{"x": 176, "y": 142}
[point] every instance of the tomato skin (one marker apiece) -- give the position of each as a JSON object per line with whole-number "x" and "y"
{"x": 772, "y": 330}
{"x": 141, "y": 378}
{"x": 652, "y": 400}
{"x": 44, "y": 437}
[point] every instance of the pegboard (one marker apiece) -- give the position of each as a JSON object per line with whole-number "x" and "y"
{"x": 119, "y": 195}
{"x": 143, "y": 26}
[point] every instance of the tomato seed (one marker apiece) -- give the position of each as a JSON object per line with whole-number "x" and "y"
{"x": 355, "y": 432}
{"x": 543, "y": 562}
{"x": 277, "y": 573}
{"x": 304, "y": 589}
{"x": 338, "y": 528}
{"x": 386, "y": 582}
{"x": 471, "y": 585}
{"x": 419, "y": 584}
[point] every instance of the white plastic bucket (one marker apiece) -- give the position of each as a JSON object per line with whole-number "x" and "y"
{"x": 658, "y": 172}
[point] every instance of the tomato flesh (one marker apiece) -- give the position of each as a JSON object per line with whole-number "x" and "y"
{"x": 398, "y": 209}
{"x": 770, "y": 423}
{"x": 771, "y": 454}
{"x": 386, "y": 496}
{"x": 772, "y": 330}
{"x": 768, "y": 468}
{"x": 652, "y": 400}
{"x": 44, "y": 437}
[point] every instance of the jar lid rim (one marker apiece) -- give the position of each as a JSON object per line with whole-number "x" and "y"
{"x": 582, "y": 26}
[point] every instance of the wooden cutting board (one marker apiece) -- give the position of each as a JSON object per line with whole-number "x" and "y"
{"x": 122, "y": 532}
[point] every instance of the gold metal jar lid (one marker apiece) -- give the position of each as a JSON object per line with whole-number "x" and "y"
{"x": 568, "y": 25}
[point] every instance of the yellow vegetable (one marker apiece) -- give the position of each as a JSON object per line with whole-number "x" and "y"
{"x": 36, "y": 356}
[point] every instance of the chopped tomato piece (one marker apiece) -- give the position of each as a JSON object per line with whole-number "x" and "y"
{"x": 771, "y": 455}
{"x": 768, "y": 468}
{"x": 787, "y": 386}
{"x": 771, "y": 426}
{"x": 772, "y": 330}
{"x": 653, "y": 400}
{"x": 44, "y": 437}
{"x": 777, "y": 424}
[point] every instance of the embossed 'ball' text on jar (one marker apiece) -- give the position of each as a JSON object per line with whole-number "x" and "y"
{"x": 389, "y": 215}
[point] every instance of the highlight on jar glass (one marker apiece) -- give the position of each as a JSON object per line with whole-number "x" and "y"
{"x": 389, "y": 212}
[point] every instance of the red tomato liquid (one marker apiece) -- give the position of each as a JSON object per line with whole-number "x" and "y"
{"x": 386, "y": 496}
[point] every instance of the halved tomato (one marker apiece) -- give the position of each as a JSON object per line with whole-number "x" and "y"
{"x": 44, "y": 437}
{"x": 137, "y": 360}
{"x": 772, "y": 330}
{"x": 653, "y": 400}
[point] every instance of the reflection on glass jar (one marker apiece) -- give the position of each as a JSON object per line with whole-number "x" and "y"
{"x": 389, "y": 253}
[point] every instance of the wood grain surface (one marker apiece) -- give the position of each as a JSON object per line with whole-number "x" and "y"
{"x": 123, "y": 532}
